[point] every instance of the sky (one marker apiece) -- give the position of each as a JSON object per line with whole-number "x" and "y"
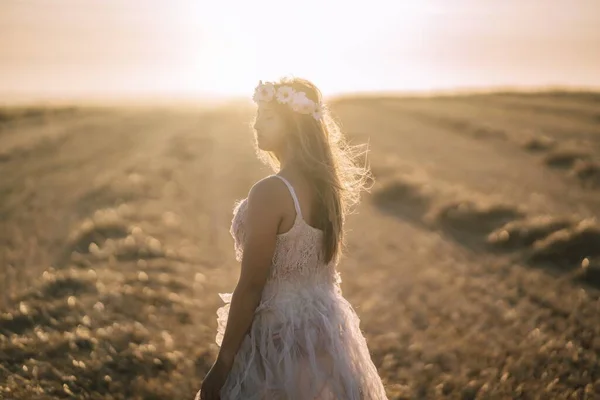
{"x": 120, "y": 48}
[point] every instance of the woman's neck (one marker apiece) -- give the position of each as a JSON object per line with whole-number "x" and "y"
{"x": 285, "y": 162}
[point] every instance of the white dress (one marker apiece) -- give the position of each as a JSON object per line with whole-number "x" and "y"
{"x": 304, "y": 342}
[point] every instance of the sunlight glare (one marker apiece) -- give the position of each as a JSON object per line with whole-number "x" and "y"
{"x": 254, "y": 44}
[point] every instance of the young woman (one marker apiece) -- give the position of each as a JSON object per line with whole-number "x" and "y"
{"x": 287, "y": 332}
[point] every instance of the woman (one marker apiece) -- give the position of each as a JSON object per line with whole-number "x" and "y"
{"x": 287, "y": 332}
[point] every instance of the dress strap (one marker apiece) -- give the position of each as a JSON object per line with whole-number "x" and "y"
{"x": 293, "y": 193}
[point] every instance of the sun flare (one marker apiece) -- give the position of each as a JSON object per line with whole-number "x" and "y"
{"x": 254, "y": 44}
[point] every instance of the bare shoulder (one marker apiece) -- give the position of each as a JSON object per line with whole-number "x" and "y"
{"x": 265, "y": 208}
{"x": 267, "y": 193}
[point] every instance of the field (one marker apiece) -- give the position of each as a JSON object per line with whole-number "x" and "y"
{"x": 474, "y": 263}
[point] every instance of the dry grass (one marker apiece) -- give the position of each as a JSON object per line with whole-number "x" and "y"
{"x": 116, "y": 244}
{"x": 523, "y": 233}
{"x": 403, "y": 197}
{"x": 589, "y": 272}
{"x": 474, "y": 217}
{"x": 539, "y": 144}
{"x": 63, "y": 340}
{"x": 569, "y": 245}
{"x": 33, "y": 114}
{"x": 588, "y": 172}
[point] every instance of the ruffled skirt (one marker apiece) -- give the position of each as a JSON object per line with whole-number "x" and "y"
{"x": 304, "y": 344}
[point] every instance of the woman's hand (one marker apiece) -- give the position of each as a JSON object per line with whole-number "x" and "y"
{"x": 214, "y": 381}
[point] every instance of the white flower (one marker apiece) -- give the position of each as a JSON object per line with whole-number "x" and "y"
{"x": 302, "y": 104}
{"x": 264, "y": 92}
{"x": 297, "y": 101}
{"x": 285, "y": 94}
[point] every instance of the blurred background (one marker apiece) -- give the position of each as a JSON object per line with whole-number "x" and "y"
{"x": 71, "y": 49}
{"x": 473, "y": 263}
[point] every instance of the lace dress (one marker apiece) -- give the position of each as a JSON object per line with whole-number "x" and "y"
{"x": 304, "y": 342}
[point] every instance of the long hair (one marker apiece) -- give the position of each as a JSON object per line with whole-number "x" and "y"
{"x": 332, "y": 166}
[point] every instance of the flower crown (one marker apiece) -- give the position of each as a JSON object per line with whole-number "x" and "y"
{"x": 298, "y": 101}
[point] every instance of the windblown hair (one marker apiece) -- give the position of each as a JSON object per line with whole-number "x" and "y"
{"x": 328, "y": 161}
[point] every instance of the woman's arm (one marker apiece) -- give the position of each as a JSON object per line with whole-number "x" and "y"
{"x": 263, "y": 217}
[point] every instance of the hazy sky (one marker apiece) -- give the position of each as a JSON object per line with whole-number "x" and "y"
{"x": 65, "y": 48}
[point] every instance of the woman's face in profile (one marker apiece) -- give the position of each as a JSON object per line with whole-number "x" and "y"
{"x": 269, "y": 128}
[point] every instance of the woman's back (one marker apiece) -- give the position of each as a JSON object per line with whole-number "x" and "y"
{"x": 298, "y": 252}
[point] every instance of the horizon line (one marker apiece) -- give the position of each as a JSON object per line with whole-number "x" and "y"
{"x": 158, "y": 97}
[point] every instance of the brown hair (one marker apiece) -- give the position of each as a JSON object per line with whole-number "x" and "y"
{"x": 328, "y": 161}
